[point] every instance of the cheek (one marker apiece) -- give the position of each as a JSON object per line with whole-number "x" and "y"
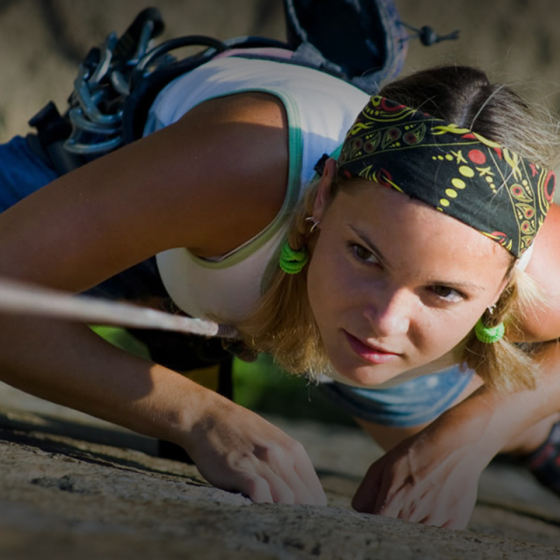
{"x": 442, "y": 331}
{"x": 328, "y": 279}
{"x": 319, "y": 282}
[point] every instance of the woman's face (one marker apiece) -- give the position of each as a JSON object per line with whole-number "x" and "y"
{"x": 394, "y": 284}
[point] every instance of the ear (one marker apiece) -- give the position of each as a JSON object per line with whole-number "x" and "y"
{"x": 323, "y": 198}
{"x": 500, "y": 290}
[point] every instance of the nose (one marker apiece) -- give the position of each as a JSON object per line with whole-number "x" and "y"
{"x": 390, "y": 312}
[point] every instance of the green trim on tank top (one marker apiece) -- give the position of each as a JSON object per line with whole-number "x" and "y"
{"x": 292, "y": 192}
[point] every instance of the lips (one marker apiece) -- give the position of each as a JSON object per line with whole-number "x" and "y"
{"x": 372, "y": 354}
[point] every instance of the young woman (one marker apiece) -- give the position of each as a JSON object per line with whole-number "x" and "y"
{"x": 343, "y": 275}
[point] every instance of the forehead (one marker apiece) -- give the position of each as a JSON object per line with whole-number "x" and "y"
{"x": 401, "y": 226}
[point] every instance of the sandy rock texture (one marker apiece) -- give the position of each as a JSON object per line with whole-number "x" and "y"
{"x": 75, "y": 487}
{"x": 65, "y": 498}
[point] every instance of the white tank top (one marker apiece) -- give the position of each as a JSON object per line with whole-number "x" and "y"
{"x": 320, "y": 109}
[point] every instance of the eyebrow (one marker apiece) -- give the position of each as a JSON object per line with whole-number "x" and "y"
{"x": 466, "y": 286}
{"x": 371, "y": 245}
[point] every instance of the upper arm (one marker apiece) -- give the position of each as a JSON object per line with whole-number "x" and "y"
{"x": 208, "y": 182}
{"x": 543, "y": 323}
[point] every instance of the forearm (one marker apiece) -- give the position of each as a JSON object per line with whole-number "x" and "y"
{"x": 68, "y": 364}
{"x": 232, "y": 447}
{"x": 490, "y": 420}
{"x": 432, "y": 476}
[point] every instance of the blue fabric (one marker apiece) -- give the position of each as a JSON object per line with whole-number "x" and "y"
{"x": 409, "y": 404}
{"x": 21, "y": 172}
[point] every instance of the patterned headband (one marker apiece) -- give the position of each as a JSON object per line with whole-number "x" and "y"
{"x": 455, "y": 170}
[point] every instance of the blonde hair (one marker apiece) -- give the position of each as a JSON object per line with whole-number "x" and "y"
{"x": 282, "y": 323}
{"x": 506, "y": 365}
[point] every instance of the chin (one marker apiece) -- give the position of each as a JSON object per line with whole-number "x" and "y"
{"x": 366, "y": 375}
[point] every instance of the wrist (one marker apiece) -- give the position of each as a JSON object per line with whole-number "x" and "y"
{"x": 194, "y": 414}
{"x": 174, "y": 407}
{"x": 460, "y": 428}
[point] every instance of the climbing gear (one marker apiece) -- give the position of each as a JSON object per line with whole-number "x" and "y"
{"x": 118, "y": 81}
{"x": 484, "y": 185}
{"x": 489, "y": 335}
{"x": 292, "y": 261}
{"x": 116, "y": 84}
{"x": 361, "y": 41}
{"x": 428, "y": 36}
{"x": 18, "y": 298}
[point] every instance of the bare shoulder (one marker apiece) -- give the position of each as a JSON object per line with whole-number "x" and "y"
{"x": 208, "y": 182}
{"x": 243, "y": 139}
{"x": 544, "y": 268}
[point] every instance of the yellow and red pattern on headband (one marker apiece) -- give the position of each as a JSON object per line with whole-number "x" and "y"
{"x": 453, "y": 169}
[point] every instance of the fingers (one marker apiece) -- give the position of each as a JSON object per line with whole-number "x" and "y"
{"x": 252, "y": 456}
{"x": 267, "y": 486}
{"x": 306, "y": 473}
{"x": 366, "y": 497}
{"x": 264, "y": 490}
{"x": 445, "y": 520}
{"x": 378, "y": 494}
{"x": 420, "y": 507}
{"x": 291, "y": 475}
{"x": 453, "y": 518}
{"x": 272, "y": 473}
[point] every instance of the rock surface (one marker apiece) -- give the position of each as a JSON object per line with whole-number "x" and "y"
{"x": 66, "y": 495}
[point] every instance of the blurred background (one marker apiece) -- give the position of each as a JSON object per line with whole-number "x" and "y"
{"x": 42, "y": 42}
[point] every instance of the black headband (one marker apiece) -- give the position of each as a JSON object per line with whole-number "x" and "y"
{"x": 455, "y": 170}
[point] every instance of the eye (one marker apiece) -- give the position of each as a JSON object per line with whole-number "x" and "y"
{"x": 447, "y": 294}
{"x": 362, "y": 254}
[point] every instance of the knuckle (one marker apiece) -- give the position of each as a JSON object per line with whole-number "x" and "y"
{"x": 248, "y": 468}
{"x": 296, "y": 448}
{"x": 273, "y": 454}
{"x": 240, "y": 461}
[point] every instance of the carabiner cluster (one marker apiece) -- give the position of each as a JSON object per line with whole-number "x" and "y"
{"x": 100, "y": 89}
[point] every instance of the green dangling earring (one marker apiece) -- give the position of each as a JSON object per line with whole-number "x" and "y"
{"x": 291, "y": 261}
{"x": 489, "y": 335}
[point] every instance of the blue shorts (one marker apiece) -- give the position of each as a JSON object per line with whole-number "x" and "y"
{"x": 411, "y": 403}
{"x": 21, "y": 172}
